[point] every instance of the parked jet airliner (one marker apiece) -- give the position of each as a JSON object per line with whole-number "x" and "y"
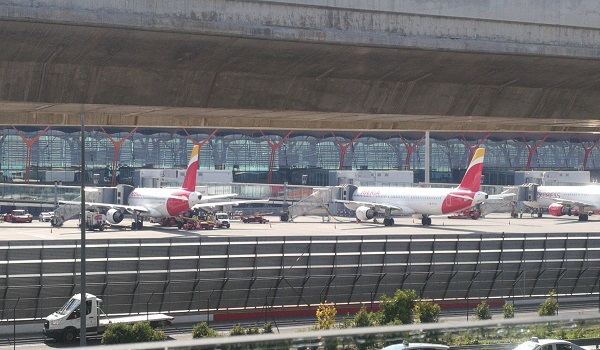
{"x": 568, "y": 200}
{"x": 367, "y": 202}
{"x": 162, "y": 202}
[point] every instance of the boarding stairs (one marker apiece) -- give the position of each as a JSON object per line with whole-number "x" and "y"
{"x": 320, "y": 198}
{"x": 67, "y": 211}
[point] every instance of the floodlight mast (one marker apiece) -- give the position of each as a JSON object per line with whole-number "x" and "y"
{"x": 83, "y": 304}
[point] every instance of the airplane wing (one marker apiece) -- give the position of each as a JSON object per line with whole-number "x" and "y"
{"x": 128, "y": 208}
{"x": 503, "y": 196}
{"x": 218, "y": 196}
{"x": 572, "y": 203}
{"x": 379, "y": 207}
{"x": 234, "y": 203}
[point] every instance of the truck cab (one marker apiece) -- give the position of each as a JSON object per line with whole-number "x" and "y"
{"x": 64, "y": 324}
{"x": 222, "y": 220}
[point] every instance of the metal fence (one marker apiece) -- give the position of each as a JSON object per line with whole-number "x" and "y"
{"x": 237, "y": 274}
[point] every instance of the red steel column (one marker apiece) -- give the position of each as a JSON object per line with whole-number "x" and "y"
{"x": 29, "y": 143}
{"x": 587, "y": 151}
{"x": 274, "y": 148}
{"x": 532, "y": 149}
{"x": 472, "y": 149}
{"x": 344, "y": 148}
{"x": 410, "y": 149}
{"x": 116, "y": 155}
{"x": 200, "y": 143}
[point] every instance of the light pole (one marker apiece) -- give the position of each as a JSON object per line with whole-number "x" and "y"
{"x": 15, "y": 324}
{"x": 82, "y": 307}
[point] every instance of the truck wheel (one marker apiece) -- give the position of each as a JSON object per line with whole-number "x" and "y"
{"x": 68, "y": 335}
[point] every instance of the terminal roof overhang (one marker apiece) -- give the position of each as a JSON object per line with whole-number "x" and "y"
{"x": 180, "y": 120}
{"x": 350, "y": 89}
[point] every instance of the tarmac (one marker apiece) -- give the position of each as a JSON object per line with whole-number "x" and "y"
{"x": 496, "y": 223}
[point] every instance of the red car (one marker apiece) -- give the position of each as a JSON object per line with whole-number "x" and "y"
{"x": 19, "y": 215}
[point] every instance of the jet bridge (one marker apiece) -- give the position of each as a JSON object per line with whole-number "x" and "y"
{"x": 68, "y": 211}
{"x": 317, "y": 203}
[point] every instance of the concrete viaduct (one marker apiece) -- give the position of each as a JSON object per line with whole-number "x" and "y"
{"x": 499, "y": 65}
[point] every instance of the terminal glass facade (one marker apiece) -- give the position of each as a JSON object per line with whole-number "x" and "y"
{"x": 258, "y": 157}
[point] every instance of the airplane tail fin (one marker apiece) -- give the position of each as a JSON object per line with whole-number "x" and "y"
{"x": 189, "y": 182}
{"x": 472, "y": 179}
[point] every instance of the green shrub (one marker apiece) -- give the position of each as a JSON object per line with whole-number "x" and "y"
{"x": 123, "y": 333}
{"x": 237, "y": 330}
{"x": 427, "y": 312}
{"x": 143, "y": 332}
{"x": 508, "y": 311}
{"x": 252, "y": 330}
{"x": 326, "y": 315}
{"x": 202, "y": 330}
{"x": 119, "y": 333}
{"x": 268, "y": 328}
{"x": 363, "y": 319}
{"x": 483, "y": 311}
{"x": 399, "y": 308}
{"x": 550, "y": 306}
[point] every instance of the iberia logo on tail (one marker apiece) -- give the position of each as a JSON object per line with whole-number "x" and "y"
{"x": 189, "y": 182}
{"x": 472, "y": 179}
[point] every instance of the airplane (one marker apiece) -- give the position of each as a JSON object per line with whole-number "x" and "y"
{"x": 567, "y": 200}
{"x": 158, "y": 203}
{"x": 367, "y": 202}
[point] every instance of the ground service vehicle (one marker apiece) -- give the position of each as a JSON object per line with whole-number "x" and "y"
{"x": 197, "y": 224}
{"x": 222, "y": 220}
{"x": 46, "y": 216}
{"x": 19, "y": 215}
{"x": 63, "y": 325}
{"x": 254, "y": 218}
{"x": 95, "y": 221}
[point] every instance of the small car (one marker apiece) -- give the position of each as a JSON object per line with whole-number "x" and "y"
{"x": 547, "y": 344}
{"x": 46, "y": 216}
{"x": 19, "y": 215}
{"x": 416, "y": 346}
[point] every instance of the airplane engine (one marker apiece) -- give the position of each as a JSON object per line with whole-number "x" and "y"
{"x": 365, "y": 213}
{"x": 479, "y": 197}
{"x": 114, "y": 216}
{"x": 194, "y": 198}
{"x": 556, "y": 209}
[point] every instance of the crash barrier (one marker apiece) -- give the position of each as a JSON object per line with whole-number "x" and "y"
{"x": 277, "y": 274}
{"x": 495, "y": 333}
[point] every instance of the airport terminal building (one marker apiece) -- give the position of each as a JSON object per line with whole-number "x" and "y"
{"x": 53, "y": 153}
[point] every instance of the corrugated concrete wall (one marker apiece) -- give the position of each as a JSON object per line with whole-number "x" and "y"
{"x": 554, "y": 27}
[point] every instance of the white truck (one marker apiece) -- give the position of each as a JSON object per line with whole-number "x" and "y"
{"x": 63, "y": 325}
{"x": 222, "y": 220}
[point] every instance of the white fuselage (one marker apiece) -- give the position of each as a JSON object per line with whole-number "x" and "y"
{"x": 547, "y": 195}
{"x": 416, "y": 200}
{"x": 161, "y": 202}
